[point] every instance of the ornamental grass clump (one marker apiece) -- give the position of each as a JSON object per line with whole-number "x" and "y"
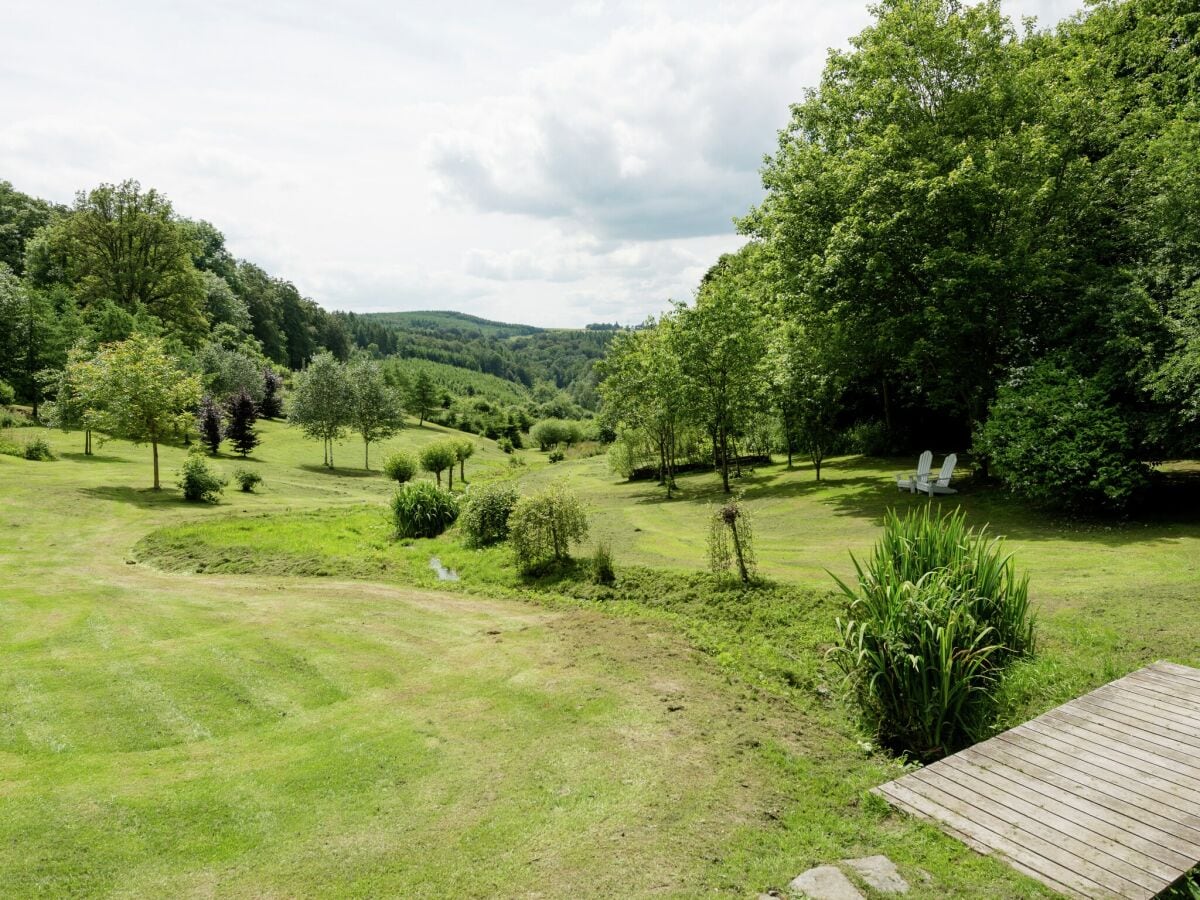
{"x": 936, "y": 615}
{"x": 421, "y": 509}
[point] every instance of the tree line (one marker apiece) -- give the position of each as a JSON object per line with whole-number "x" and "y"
{"x": 974, "y": 234}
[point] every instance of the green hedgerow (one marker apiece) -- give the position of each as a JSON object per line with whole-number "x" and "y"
{"x": 199, "y": 483}
{"x": 400, "y": 466}
{"x": 936, "y": 615}
{"x": 485, "y": 515}
{"x": 421, "y": 509}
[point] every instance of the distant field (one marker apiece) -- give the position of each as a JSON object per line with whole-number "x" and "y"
{"x": 439, "y": 320}
{"x": 461, "y": 381}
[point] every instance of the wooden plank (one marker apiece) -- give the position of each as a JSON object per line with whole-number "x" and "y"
{"x": 1142, "y": 724}
{"x": 1159, "y": 814}
{"x": 1098, "y": 797}
{"x": 1137, "y": 768}
{"x": 1149, "y": 709}
{"x": 1106, "y": 829}
{"x": 1071, "y": 854}
{"x": 980, "y": 837}
{"x": 1112, "y": 734}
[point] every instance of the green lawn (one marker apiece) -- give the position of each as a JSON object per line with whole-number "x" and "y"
{"x": 315, "y": 715}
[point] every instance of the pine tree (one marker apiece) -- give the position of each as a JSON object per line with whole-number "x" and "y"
{"x": 423, "y": 398}
{"x": 211, "y": 422}
{"x": 272, "y": 405}
{"x": 242, "y": 416}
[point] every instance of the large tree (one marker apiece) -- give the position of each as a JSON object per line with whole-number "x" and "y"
{"x": 124, "y": 245}
{"x": 136, "y": 390}
{"x": 320, "y": 401}
{"x": 720, "y": 342}
{"x": 375, "y": 411}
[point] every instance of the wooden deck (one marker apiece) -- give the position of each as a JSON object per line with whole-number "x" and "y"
{"x": 1099, "y": 797}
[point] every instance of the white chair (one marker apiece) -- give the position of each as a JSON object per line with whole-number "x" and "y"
{"x": 942, "y": 484}
{"x": 909, "y": 481}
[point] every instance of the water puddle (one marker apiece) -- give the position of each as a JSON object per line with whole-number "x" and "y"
{"x": 443, "y": 573}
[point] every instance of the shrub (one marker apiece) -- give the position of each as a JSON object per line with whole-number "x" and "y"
{"x": 937, "y": 613}
{"x": 731, "y": 540}
{"x": 557, "y": 456}
{"x": 543, "y": 526}
{"x": 437, "y": 458}
{"x": 242, "y": 416}
{"x": 516, "y": 462}
{"x": 7, "y": 395}
{"x": 247, "y": 480}
{"x": 1054, "y": 438}
{"x": 38, "y": 449}
{"x": 505, "y": 445}
{"x": 485, "y": 515}
{"x": 400, "y": 466}
{"x": 199, "y": 483}
{"x": 210, "y": 422}
{"x": 602, "y": 564}
{"x": 421, "y": 509}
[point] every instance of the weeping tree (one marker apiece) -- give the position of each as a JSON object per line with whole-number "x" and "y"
{"x": 731, "y": 540}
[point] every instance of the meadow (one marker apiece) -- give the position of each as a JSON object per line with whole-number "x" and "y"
{"x": 270, "y": 696}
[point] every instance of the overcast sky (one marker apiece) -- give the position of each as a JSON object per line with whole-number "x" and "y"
{"x": 555, "y": 163}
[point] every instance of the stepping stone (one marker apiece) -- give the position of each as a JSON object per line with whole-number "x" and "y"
{"x": 825, "y": 883}
{"x": 880, "y": 873}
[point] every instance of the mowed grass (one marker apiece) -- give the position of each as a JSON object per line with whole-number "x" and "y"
{"x": 257, "y": 731}
{"x": 164, "y": 734}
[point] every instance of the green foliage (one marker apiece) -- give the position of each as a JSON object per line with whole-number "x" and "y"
{"x": 38, "y": 449}
{"x": 543, "y": 526}
{"x": 935, "y": 616}
{"x": 437, "y": 458}
{"x": 272, "y": 395}
{"x": 505, "y": 445}
{"x": 551, "y": 433}
{"x": 247, "y": 480}
{"x": 400, "y": 466}
{"x": 320, "y": 402}
{"x": 603, "y": 571}
{"x": 556, "y": 456}
{"x": 374, "y": 408}
{"x": 731, "y": 540}
{"x": 420, "y": 509}
{"x": 136, "y": 390}
{"x": 199, "y": 483}
{"x": 1056, "y": 439}
{"x": 422, "y": 397}
{"x": 7, "y": 395}
{"x": 486, "y": 513}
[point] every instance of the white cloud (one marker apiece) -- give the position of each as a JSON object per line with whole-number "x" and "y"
{"x": 548, "y": 162}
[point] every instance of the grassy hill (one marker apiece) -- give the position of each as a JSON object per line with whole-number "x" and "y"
{"x": 447, "y": 321}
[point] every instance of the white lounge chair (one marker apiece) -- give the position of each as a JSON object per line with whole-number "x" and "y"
{"x": 942, "y": 484}
{"x": 909, "y": 480}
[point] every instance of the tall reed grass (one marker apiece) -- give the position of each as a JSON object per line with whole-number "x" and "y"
{"x": 936, "y": 614}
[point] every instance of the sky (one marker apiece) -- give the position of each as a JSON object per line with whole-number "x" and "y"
{"x": 555, "y": 163}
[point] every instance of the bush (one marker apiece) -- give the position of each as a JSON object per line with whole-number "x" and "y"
{"x": 400, "y": 466}
{"x": 505, "y": 445}
{"x": 421, "y": 509}
{"x": 937, "y": 613}
{"x": 1054, "y": 438}
{"x": 198, "y": 482}
{"x": 8, "y": 396}
{"x": 543, "y": 526}
{"x": 247, "y": 480}
{"x": 485, "y": 515}
{"x": 37, "y": 449}
{"x": 602, "y": 564}
{"x": 557, "y": 456}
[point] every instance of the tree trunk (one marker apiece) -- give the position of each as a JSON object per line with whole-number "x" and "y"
{"x": 724, "y": 460}
{"x": 450, "y": 477}
{"x": 154, "y": 446}
{"x": 87, "y": 442}
{"x": 462, "y": 471}
{"x": 367, "y": 456}
{"x": 887, "y": 411}
{"x": 439, "y": 477}
{"x": 737, "y": 549}
{"x": 331, "y": 453}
